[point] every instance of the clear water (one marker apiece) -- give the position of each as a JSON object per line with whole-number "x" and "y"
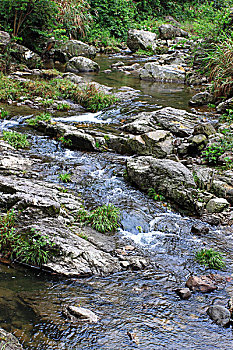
{"x": 142, "y": 303}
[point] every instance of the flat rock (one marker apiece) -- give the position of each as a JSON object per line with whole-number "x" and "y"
{"x": 165, "y": 73}
{"x": 219, "y": 314}
{"x": 201, "y": 284}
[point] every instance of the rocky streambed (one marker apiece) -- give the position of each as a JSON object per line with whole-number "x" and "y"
{"x": 149, "y": 139}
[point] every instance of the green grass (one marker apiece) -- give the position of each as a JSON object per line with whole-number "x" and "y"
{"x": 65, "y": 177}
{"x": 103, "y": 219}
{"x": 210, "y": 259}
{"x": 28, "y": 247}
{"x": 15, "y": 139}
{"x": 3, "y": 113}
{"x": 89, "y": 97}
{"x": 45, "y": 117}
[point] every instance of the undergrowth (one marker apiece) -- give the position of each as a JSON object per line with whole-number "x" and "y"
{"x": 15, "y": 139}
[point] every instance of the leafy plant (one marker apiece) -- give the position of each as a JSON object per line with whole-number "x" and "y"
{"x": 103, "y": 219}
{"x": 65, "y": 141}
{"x": 63, "y": 106}
{"x": 15, "y": 139}
{"x": 210, "y": 258}
{"x": 227, "y": 117}
{"x": 28, "y": 247}
{"x": 65, "y": 177}
{"x": 3, "y": 113}
{"x": 45, "y": 117}
{"x": 157, "y": 197}
{"x": 212, "y": 152}
{"x": 83, "y": 236}
{"x": 148, "y": 52}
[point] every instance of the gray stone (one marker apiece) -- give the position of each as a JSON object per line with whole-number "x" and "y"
{"x": 73, "y": 77}
{"x": 223, "y": 106}
{"x": 204, "y": 128}
{"x": 165, "y": 73}
{"x": 74, "y": 48}
{"x": 141, "y": 39}
{"x": 8, "y": 341}
{"x": 169, "y": 178}
{"x": 168, "y": 31}
{"x": 81, "y": 64}
{"x": 83, "y": 314}
{"x": 26, "y": 56}
{"x": 201, "y": 284}
{"x": 202, "y": 98}
{"x": 5, "y": 40}
{"x": 217, "y": 205}
{"x": 219, "y": 314}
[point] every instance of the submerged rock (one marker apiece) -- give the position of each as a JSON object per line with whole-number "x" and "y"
{"x": 219, "y": 314}
{"x": 183, "y": 293}
{"x": 166, "y": 73}
{"x": 82, "y": 314}
{"x": 8, "y": 341}
{"x": 141, "y": 39}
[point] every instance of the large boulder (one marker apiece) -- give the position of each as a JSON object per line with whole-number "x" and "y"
{"x": 5, "y": 40}
{"x": 81, "y": 64}
{"x": 26, "y": 56}
{"x": 141, "y": 39}
{"x": 167, "y": 177}
{"x": 165, "y": 73}
{"x": 168, "y": 31}
{"x": 74, "y": 48}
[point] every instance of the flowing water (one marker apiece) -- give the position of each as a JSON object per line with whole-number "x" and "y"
{"x": 137, "y": 310}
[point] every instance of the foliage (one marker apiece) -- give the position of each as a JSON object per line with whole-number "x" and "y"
{"x": 89, "y": 97}
{"x": 103, "y": 219}
{"x": 65, "y": 141}
{"x": 147, "y": 52}
{"x": 45, "y": 117}
{"x": 157, "y": 197}
{"x": 83, "y": 236}
{"x": 64, "y": 177}
{"x": 15, "y": 139}
{"x": 210, "y": 258}
{"x": 27, "y": 18}
{"x": 212, "y": 152}
{"x": 227, "y": 117}
{"x": 3, "y": 113}
{"x": 63, "y": 106}
{"x": 28, "y": 247}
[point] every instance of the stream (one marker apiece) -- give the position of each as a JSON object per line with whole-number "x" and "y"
{"x": 142, "y": 303}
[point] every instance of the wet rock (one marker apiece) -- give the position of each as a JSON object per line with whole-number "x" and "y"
{"x": 202, "y": 98}
{"x": 204, "y": 128}
{"x": 166, "y": 73}
{"x": 201, "y": 284}
{"x": 169, "y": 178}
{"x": 223, "y": 106}
{"x": 141, "y": 39}
{"x": 82, "y": 314}
{"x": 74, "y": 48}
{"x": 25, "y": 56}
{"x": 199, "y": 229}
{"x": 8, "y": 341}
{"x": 168, "y": 31}
{"x": 217, "y": 205}
{"x": 219, "y": 314}
{"x": 81, "y": 64}
{"x": 183, "y": 293}
{"x": 5, "y": 40}
{"x": 117, "y": 65}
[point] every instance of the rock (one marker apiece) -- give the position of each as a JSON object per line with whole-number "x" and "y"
{"x": 200, "y": 284}
{"x": 199, "y": 229}
{"x": 73, "y": 77}
{"x": 5, "y": 40}
{"x": 169, "y": 178}
{"x": 219, "y": 314}
{"x": 158, "y": 143}
{"x": 74, "y": 48}
{"x": 223, "y": 106}
{"x": 204, "y": 128}
{"x": 83, "y": 314}
{"x": 202, "y": 98}
{"x": 183, "y": 293}
{"x": 81, "y": 64}
{"x": 117, "y": 65}
{"x": 217, "y": 205}
{"x": 168, "y": 31}
{"x": 8, "y": 341}
{"x": 26, "y": 56}
{"x": 166, "y": 73}
{"x": 141, "y": 39}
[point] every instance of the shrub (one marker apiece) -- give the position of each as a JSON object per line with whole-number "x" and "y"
{"x": 27, "y": 247}
{"x": 212, "y": 152}
{"x": 103, "y": 219}
{"x": 15, "y": 139}
{"x": 210, "y": 258}
{"x": 45, "y": 117}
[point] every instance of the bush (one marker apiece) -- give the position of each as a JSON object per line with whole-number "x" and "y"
{"x": 210, "y": 258}
{"x": 15, "y": 139}
{"x": 29, "y": 19}
{"x": 103, "y": 219}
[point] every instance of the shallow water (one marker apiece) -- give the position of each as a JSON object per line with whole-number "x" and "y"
{"x": 142, "y": 303}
